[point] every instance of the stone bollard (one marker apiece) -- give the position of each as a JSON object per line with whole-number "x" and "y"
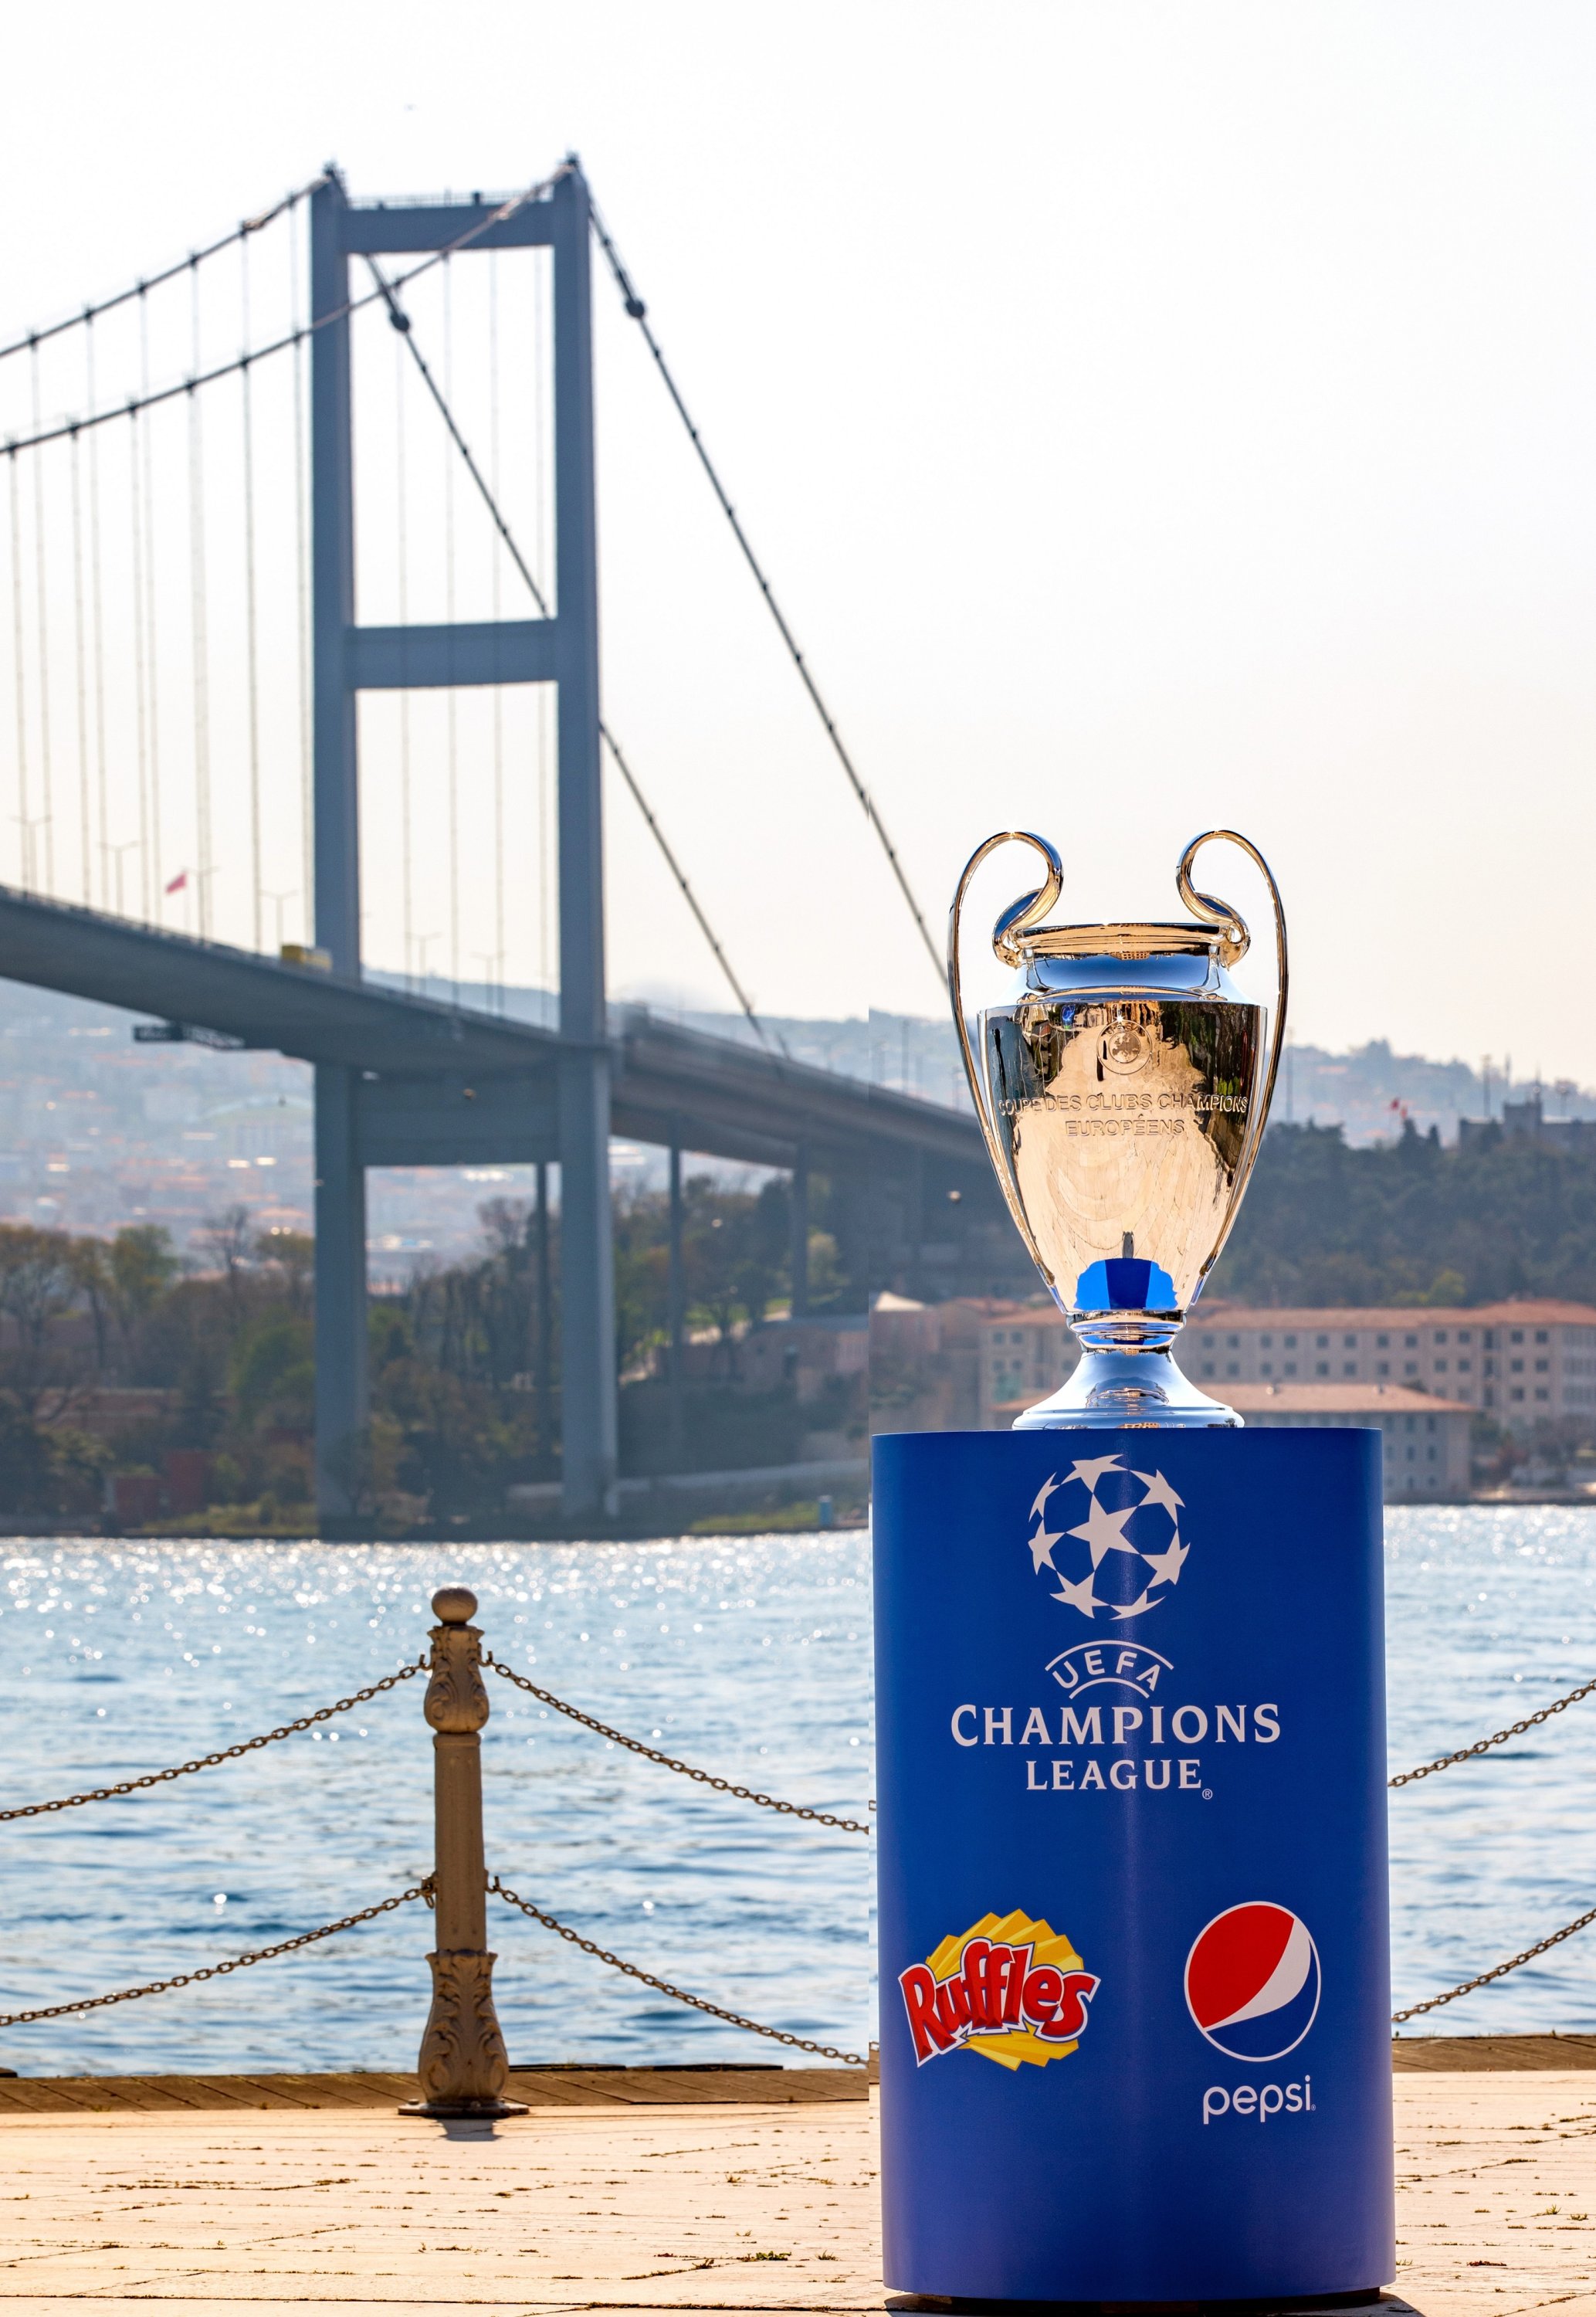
{"x": 463, "y": 2067}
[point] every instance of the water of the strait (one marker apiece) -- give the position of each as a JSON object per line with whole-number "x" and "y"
{"x": 749, "y": 1656}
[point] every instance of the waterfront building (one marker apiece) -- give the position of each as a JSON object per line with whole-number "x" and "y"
{"x": 1427, "y": 1445}
{"x": 1524, "y": 1364}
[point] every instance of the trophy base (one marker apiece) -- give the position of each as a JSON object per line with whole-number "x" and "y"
{"x": 1127, "y": 1379}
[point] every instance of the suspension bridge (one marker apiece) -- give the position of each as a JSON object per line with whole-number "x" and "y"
{"x": 193, "y": 693}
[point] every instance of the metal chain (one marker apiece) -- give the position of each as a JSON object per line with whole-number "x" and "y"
{"x": 227, "y": 1753}
{"x": 220, "y": 1970}
{"x": 664, "y": 1986}
{"x": 669, "y": 1761}
{"x": 1499, "y": 1737}
{"x": 1501, "y": 1971}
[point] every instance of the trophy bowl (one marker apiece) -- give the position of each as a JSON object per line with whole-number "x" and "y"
{"x": 1122, "y": 1088}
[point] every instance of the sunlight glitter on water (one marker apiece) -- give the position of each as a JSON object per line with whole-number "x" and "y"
{"x": 748, "y": 1656}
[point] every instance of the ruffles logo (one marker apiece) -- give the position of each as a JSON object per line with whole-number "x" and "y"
{"x": 1011, "y": 1988}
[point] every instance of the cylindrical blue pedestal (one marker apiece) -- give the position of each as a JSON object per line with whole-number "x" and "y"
{"x": 1136, "y": 2037}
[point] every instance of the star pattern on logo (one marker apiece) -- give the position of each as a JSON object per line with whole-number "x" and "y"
{"x": 1042, "y": 1541}
{"x": 1126, "y": 1555}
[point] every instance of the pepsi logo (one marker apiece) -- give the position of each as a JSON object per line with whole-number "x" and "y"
{"x": 1252, "y": 1981}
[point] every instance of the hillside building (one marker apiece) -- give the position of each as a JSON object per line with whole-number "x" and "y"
{"x": 1527, "y": 1121}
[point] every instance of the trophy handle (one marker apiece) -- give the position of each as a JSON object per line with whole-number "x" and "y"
{"x": 1234, "y": 944}
{"x": 1015, "y": 919}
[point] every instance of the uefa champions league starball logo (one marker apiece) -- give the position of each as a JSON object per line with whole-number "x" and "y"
{"x": 1111, "y": 1537}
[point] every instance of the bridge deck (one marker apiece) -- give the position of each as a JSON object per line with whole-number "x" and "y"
{"x": 733, "y": 1101}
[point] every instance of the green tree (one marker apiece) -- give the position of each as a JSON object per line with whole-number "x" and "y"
{"x": 37, "y": 1282}
{"x": 287, "y": 1261}
{"x": 229, "y": 1240}
{"x": 273, "y": 1372}
{"x": 141, "y": 1265}
{"x": 1412, "y": 1222}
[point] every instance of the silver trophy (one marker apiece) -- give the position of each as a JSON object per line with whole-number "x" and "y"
{"x": 1122, "y": 1088}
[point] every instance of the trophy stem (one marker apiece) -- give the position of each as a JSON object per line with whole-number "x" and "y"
{"x": 1125, "y": 1379}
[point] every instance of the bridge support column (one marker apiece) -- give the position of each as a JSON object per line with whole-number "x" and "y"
{"x": 342, "y": 1363}
{"x": 676, "y": 1305}
{"x": 915, "y": 1222}
{"x": 544, "y": 1376}
{"x": 800, "y": 1233}
{"x": 588, "y": 1415}
{"x": 588, "y": 1427}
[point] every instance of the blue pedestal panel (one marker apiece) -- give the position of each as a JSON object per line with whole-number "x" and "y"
{"x": 1135, "y": 2010}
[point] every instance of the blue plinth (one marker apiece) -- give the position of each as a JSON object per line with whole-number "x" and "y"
{"x": 1136, "y": 2037}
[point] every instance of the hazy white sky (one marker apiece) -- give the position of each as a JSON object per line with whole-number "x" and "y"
{"x": 1152, "y": 415}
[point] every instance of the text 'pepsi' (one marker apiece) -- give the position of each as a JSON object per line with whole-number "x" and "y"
{"x": 1259, "y": 2100}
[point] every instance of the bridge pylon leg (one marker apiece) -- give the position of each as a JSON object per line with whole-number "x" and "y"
{"x": 800, "y": 1233}
{"x": 343, "y": 1390}
{"x": 588, "y": 1412}
{"x": 676, "y": 1302}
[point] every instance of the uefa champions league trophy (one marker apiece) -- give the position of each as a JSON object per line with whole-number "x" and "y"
{"x": 1122, "y": 1088}
{"x": 1135, "y": 2010}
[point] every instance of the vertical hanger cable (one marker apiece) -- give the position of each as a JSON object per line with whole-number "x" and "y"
{"x": 299, "y": 322}
{"x": 23, "y": 800}
{"x": 86, "y": 854}
{"x": 401, "y": 508}
{"x": 540, "y": 358}
{"x": 199, "y": 635}
{"x": 97, "y": 606}
{"x": 140, "y": 704}
{"x": 41, "y": 623}
{"x": 153, "y": 881}
{"x": 495, "y": 552}
{"x": 251, "y": 616}
{"x": 454, "y": 825}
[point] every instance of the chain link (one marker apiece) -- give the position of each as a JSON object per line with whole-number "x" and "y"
{"x": 219, "y": 1970}
{"x": 1501, "y": 1971}
{"x": 668, "y": 1761}
{"x": 664, "y": 1986}
{"x": 227, "y": 1753}
{"x": 1499, "y": 1737}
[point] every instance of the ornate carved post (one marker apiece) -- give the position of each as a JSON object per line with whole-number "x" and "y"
{"x": 463, "y": 2067}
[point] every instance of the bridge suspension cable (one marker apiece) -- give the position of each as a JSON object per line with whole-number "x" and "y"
{"x": 638, "y": 312}
{"x": 148, "y": 400}
{"x": 402, "y": 322}
{"x": 88, "y": 315}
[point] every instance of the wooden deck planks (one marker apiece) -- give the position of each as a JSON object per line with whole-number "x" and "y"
{"x": 538, "y": 2087}
{"x": 1515, "y": 2054}
{"x": 578, "y": 2087}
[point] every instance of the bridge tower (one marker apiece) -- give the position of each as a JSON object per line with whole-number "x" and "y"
{"x": 562, "y": 651}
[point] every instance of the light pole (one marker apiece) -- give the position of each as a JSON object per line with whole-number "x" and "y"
{"x": 116, "y": 851}
{"x": 277, "y": 899}
{"x": 420, "y": 950}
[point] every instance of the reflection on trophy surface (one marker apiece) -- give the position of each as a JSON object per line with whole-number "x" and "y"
{"x": 1123, "y": 1091}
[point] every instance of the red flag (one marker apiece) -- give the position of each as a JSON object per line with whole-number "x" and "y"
{"x": 179, "y": 882}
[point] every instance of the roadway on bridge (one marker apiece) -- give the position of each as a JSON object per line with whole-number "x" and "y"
{"x": 481, "y": 1079}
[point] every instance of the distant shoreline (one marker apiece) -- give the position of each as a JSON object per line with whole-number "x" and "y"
{"x": 851, "y": 1522}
